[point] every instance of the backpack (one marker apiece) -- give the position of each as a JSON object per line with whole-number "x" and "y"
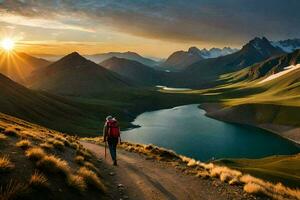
{"x": 113, "y": 129}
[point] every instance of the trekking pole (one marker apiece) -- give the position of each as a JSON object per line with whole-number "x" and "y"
{"x": 105, "y": 151}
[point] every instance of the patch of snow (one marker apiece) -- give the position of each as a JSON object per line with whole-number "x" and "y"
{"x": 287, "y": 45}
{"x": 279, "y": 74}
{"x": 217, "y": 52}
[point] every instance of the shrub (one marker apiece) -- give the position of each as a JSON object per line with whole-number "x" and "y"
{"x": 77, "y": 182}
{"x": 79, "y": 160}
{"x": 11, "y": 131}
{"x": 53, "y": 164}
{"x": 5, "y": 164}
{"x": 38, "y": 180}
{"x": 12, "y": 190}
{"x": 35, "y": 153}
{"x": 2, "y": 137}
{"x": 24, "y": 144}
{"x": 91, "y": 178}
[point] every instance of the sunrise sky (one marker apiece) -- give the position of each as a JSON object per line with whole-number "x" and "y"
{"x": 150, "y": 27}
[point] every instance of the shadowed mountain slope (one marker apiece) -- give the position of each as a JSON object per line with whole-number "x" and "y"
{"x": 133, "y": 70}
{"x": 45, "y": 109}
{"x": 97, "y": 58}
{"x": 74, "y": 75}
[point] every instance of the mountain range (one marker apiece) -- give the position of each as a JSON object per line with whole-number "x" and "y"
{"x": 288, "y": 46}
{"x": 18, "y": 66}
{"x": 259, "y": 63}
{"x": 76, "y": 76}
{"x": 265, "y": 94}
{"x": 179, "y": 60}
{"x": 98, "y": 58}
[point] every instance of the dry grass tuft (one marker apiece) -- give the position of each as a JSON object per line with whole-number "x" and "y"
{"x": 192, "y": 163}
{"x": 253, "y": 188}
{"x": 56, "y": 143}
{"x": 5, "y": 164}
{"x": 79, "y": 160}
{"x": 74, "y": 145}
{"x": 11, "y": 131}
{"x": 33, "y": 135}
{"x": 24, "y": 144}
{"x": 38, "y": 180}
{"x": 86, "y": 154}
{"x": 276, "y": 191}
{"x": 12, "y": 190}
{"x": 35, "y": 153}
{"x": 203, "y": 174}
{"x": 53, "y": 164}
{"x": 91, "y": 166}
{"x": 46, "y": 145}
{"x": 77, "y": 182}
{"x": 224, "y": 173}
{"x": 91, "y": 178}
{"x": 3, "y": 137}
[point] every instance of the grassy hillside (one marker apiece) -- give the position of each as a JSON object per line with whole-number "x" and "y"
{"x": 283, "y": 169}
{"x": 83, "y": 116}
{"x": 38, "y": 163}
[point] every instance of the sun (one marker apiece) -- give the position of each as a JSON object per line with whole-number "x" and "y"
{"x": 7, "y": 44}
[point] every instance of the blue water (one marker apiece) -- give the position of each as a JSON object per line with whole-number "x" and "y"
{"x": 187, "y": 131}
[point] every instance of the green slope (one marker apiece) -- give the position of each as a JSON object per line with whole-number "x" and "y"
{"x": 83, "y": 116}
{"x": 284, "y": 169}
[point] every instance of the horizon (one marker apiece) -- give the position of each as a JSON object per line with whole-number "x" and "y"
{"x": 157, "y": 58}
{"x": 205, "y": 97}
{"x": 91, "y": 27}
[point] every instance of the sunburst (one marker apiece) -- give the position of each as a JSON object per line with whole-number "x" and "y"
{"x": 8, "y": 44}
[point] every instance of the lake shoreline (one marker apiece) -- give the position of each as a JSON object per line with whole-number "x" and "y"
{"x": 214, "y": 110}
{"x": 215, "y": 131}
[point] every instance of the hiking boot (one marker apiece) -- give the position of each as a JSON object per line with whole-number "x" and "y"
{"x": 115, "y": 163}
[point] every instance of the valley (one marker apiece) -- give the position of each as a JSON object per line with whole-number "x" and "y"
{"x": 256, "y": 86}
{"x": 149, "y": 100}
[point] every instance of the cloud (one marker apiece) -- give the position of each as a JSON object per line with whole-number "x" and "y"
{"x": 40, "y": 22}
{"x": 173, "y": 20}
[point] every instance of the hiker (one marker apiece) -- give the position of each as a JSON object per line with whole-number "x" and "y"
{"x": 111, "y": 133}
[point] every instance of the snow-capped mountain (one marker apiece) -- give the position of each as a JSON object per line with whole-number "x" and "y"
{"x": 179, "y": 60}
{"x": 217, "y": 52}
{"x": 288, "y": 46}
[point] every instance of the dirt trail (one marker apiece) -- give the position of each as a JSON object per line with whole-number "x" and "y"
{"x": 148, "y": 179}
